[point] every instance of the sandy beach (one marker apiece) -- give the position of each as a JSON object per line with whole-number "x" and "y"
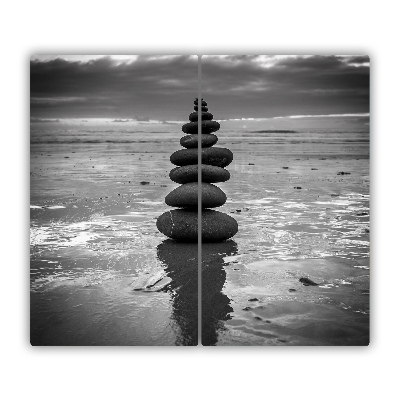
{"x": 101, "y": 273}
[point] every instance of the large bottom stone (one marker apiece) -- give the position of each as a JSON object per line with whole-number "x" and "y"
{"x": 182, "y": 225}
{"x": 217, "y": 226}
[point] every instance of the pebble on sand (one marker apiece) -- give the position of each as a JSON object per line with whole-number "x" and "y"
{"x": 307, "y": 282}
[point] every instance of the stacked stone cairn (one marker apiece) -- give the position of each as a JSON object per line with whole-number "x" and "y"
{"x": 182, "y": 224}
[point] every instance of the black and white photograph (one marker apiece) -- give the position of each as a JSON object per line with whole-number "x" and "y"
{"x": 268, "y": 155}
{"x": 103, "y": 129}
{"x": 297, "y": 273}
{"x": 199, "y": 200}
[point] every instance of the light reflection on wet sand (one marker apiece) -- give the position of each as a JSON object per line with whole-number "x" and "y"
{"x": 299, "y": 218}
{"x": 86, "y": 256}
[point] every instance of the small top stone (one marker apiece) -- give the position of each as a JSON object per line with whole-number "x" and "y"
{"x": 196, "y": 108}
{"x": 203, "y": 103}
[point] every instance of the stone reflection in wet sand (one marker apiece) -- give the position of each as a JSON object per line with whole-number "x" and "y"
{"x": 216, "y": 306}
{"x": 181, "y": 266}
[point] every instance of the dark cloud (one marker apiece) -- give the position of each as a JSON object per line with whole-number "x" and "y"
{"x": 157, "y": 88}
{"x": 234, "y": 86}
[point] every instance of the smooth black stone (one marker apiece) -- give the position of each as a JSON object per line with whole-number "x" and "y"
{"x": 206, "y": 127}
{"x": 187, "y": 195}
{"x": 184, "y": 157}
{"x": 217, "y": 156}
{"x": 182, "y": 225}
{"x": 217, "y": 226}
{"x": 209, "y": 174}
{"x": 196, "y": 108}
{"x": 307, "y": 282}
{"x": 191, "y": 141}
{"x": 205, "y": 116}
{"x": 203, "y": 103}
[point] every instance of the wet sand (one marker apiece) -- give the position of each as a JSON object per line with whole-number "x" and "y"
{"x": 93, "y": 242}
{"x": 101, "y": 273}
{"x": 299, "y": 219}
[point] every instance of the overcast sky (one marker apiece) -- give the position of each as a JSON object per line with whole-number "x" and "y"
{"x": 163, "y": 87}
